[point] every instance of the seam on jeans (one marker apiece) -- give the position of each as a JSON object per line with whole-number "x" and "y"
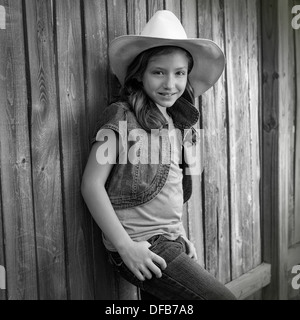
{"x": 193, "y": 292}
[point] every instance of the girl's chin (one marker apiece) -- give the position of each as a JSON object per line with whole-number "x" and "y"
{"x": 166, "y": 103}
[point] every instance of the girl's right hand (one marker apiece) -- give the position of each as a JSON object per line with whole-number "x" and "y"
{"x": 140, "y": 260}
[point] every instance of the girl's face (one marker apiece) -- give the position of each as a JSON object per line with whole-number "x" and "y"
{"x": 165, "y": 77}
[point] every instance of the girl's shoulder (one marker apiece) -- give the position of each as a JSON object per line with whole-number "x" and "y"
{"x": 115, "y": 112}
{"x": 121, "y": 111}
{"x": 119, "y": 105}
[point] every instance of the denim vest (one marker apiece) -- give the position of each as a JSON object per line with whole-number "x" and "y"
{"x": 132, "y": 183}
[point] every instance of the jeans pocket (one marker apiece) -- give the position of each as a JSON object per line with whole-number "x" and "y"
{"x": 115, "y": 259}
{"x": 155, "y": 241}
{"x": 119, "y": 266}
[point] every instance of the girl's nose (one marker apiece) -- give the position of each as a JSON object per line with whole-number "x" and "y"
{"x": 169, "y": 82}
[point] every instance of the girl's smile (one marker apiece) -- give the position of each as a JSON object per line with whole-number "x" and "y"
{"x": 165, "y": 78}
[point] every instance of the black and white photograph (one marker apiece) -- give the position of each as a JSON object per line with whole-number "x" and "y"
{"x": 149, "y": 150}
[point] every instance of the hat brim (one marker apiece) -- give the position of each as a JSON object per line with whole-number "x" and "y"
{"x": 209, "y": 60}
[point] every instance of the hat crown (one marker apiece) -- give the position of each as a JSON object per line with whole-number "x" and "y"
{"x": 164, "y": 24}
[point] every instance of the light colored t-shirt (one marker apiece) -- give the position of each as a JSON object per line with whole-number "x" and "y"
{"x": 163, "y": 214}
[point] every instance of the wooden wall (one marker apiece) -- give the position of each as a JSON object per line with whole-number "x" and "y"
{"x": 280, "y": 142}
{"x": 54, "y": 85}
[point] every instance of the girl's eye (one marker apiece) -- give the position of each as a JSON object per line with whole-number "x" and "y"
{"x": 181, "y": 73}
{"x": 158, "y": 72}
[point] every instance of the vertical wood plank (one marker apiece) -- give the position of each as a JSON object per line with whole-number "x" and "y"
{"x": 153, "y": 6}
{"x": 117, "y": 26}
{"x": 96, "y": 60}
{"x": 137, "y": 16}
{"x": 193, "y": 215}
{"x": 15, "y": 160}
{"x": 217, "y": 241}
{"x": 290, "y": 65}
{"x": 270, "y": 119}
{"x": 209, "y": 187}
{"x": 74, "y": 142}
{"x": 189, "y": 17}
{"x": 259, "y": 294}
{"x": 45, "y": 152}
{"x": 96, "y": 63}
{"x": 286, "y": 137}
{"x": 174, "y": 6}
{"x": 218, "y": 124}
{"x": 296, "y": 237}
{"x": 254, "y": 111}
{"x": 236, "y": 27}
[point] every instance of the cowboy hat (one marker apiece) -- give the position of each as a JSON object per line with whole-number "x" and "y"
{"x": 164, "y": 29}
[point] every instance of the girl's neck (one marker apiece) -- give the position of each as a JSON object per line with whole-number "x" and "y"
{"x": 163, "y": 111}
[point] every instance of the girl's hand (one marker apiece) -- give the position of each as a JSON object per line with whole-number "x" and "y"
{"x": 191, "y": 251}
{"x": 140, "y": 260}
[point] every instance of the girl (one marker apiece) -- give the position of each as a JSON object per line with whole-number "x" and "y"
{"x": 136, "y": 179}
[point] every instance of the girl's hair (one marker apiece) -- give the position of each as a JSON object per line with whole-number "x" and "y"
{"x": 132, "y": 92}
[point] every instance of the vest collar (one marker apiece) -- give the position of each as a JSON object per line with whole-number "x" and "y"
{"x": 184, "y": 114}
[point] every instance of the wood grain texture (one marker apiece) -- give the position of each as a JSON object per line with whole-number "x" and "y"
{"x": 193, "y": 215}
{"x": 137, "y": 16}
{"x": 175, "y": 7}
{"x": 153, "y": 6}
{"x": 211, "y": 166}
{"x": 15, "y": 160}
{"x": 296, "y": 236}
{"x": 96, "y": 60}
{"x": 250, "y": 282}
{"x": 289, "y": 68}
{"x": 285, "y": 139}
{"x": 254, "y": 111}
{"x": 218, "y": 128}
{"x": 241, "y": 166}
{"x": 74, "y": 143}
{"x": 117, "y": 26}
{"x": 217, "y": 241}
{"x": 96, "y": 77}
{"x": 45, "y": 153}
{"x": 270, "y": 119}
{"x": 189, "y": 12}
{"x": 278, "y": 142}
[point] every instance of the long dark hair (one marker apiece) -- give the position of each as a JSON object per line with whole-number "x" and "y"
{"x": 132, "y": 92}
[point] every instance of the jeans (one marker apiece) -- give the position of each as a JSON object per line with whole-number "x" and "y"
{"x": 183, "y": 279}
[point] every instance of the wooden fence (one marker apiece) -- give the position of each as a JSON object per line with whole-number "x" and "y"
{"x": 55, "y": 83}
